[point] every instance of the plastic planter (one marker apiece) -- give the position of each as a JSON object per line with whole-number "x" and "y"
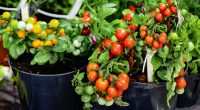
{"x": 191, "y": 93}
{"x": 146, "y": 96}
{"x": 46, "y": 92}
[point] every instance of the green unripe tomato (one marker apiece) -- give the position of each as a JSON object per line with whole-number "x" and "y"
{"x": 89, "y": 90}
{"x": 85, "y": 98}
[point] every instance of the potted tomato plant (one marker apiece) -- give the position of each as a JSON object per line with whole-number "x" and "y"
{"x": 142, "y": 36}
{"x": 192, "y": 77}
{"x": 44, "y": 56}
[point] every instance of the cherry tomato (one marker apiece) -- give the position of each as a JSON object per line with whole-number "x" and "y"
{"x": 128, "y": 42}
{"x": 108, "y": 98}
{"x": 180, "y": 83}
{"x": 122, "y": 84}
{"x": 36, "y": 43}
{"x": 153, "y": 48}
{"x": 101, "y": 84}
{"x": 54, "y": 23}
{"x": 170, "y": 3}
{"x": 85, "y": 31}
{"x": 6, "y": 15}
{"x": 153, "y": 12}
{"x": 155, "y": 35}
{"x": 143, "y": 28}
{"x": 107, "y": 43}
{"x": 181, "y": 73}
{"x": 173, "y": 9}
{"x": 121, "y": 34}
{"x": 143, "y": 34}
{"x": 156, "y": 44}
{"x": 92, "y": 67}
{"x": 159, "y": 17}
{"x": 86, "y": 14}
{"x": 132, "y": 8}
{"x": 124, "y": 76}
{"x": 92, "y": 76}
{"x": 111, "y": 79}
{"x": 128, "y": 17}
{"x": 117, "y": 49}
{"x": 149, "y": 40}
{"x": 162, "y": 7}
{"x": 167, "y": 12}
{"x": 87, "y": 19}
{"x": 133, "y": 27}
{"x": 112, "y": 92}
{"x": 120, "y": 92}
{"x": 163, "y": 38}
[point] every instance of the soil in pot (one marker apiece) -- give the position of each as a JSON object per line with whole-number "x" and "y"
{"x": 191, "y": 94}
{"x": 70, "y": 64}
{"x": 44, "y": 87}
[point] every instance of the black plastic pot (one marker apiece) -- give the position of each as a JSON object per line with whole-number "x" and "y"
{"x": 47, "y": 91}
{"x": 191, "y": 94}
{"x": 143, "y": 96}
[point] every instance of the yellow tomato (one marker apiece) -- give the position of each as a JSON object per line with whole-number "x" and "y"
{"x": 36, "y": 43}
{"x": 21, "y": 34}
{"x": 6, "y": 15}
{"x": 54, "y": 23}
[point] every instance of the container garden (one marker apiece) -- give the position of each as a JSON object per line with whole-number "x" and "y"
{"x": 44, "y": 57}
{"x": 50, "y": 89}
{"x": 191, "y": 94}
{"x": 148, "y": 43}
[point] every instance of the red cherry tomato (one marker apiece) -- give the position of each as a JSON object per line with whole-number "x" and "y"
{"x": 149, "y": 40}
{"x": 121, "y": 34}
{"x": 180, "y": 83}
{"x": 159, "y": 17}
{"x": 117, "y": 49}
{"x": 143, "y": 34}
{"x": 107, "y": 43}
{"x": 167, "y": 12}
{"x": 173, "y": 9}
{"x": 162, "y": 7}
{"x": 132, "y": 8}
{"x": 133, "y": 27}
{"x": 128, "y": 17}
{"x": 128, "y": 42}
{"x": 143, "y": 28}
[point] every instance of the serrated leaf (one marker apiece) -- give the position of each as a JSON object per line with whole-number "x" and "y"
{"x": 80, "y": 76}
{"x": 156, "y": 62}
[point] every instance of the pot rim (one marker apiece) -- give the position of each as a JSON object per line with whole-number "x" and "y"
{"x": 43, "y": 75}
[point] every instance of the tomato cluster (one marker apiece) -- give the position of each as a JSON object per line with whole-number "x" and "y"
{"x": 165, "y": 10}
{"x": 155, "y": 41}
{"x": 180, "y": 82}
{"x": 87, "y": 20}
{"x": 114, "y": 85}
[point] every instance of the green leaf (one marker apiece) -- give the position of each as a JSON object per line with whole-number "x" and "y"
{"x": 105, "y": 12}
{"x": 80, "y": 76}
{"x": 42, "y": 57}
{"x": 104, "y": 57}
{"x": 13, "y": 51}
{"x": 125, "y": 11}
{"x": 156, "y": 62}
{"x": 165, "y": 74}
{"x": 93, "y": 57}
{"x": 20, "y": 49}
{"x": 163, "y": 52}
{"x": 53, "y": 59}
